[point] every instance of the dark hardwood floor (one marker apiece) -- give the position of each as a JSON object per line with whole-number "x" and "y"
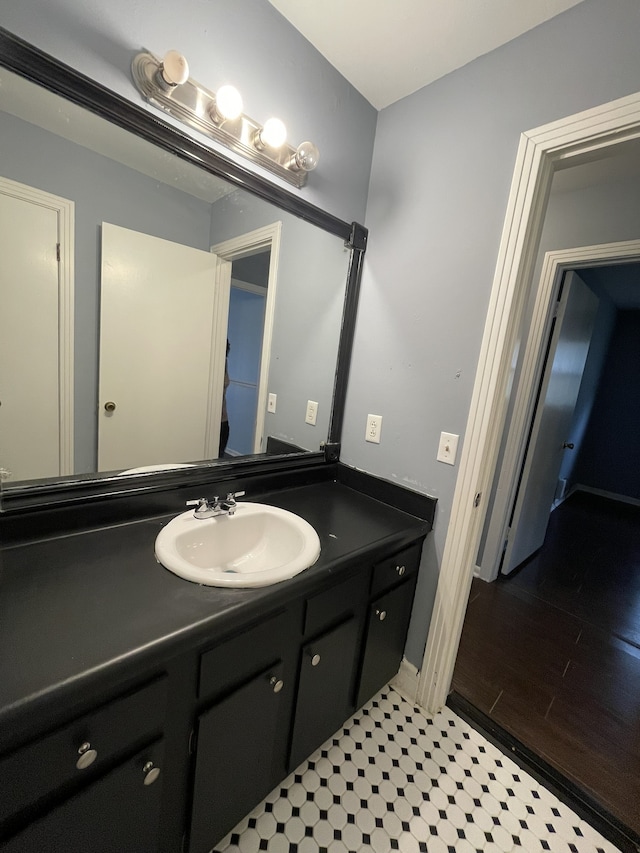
{"x": 552, "y": 652}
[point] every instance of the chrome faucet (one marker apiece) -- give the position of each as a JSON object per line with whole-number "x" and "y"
{"x": 205, "y": 508}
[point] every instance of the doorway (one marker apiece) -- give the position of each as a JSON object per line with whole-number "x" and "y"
{"x": 552, "y": 653}
{"x": 245, "y": 333}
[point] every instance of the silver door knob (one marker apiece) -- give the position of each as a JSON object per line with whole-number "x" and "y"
{"x": 276, "y": 683}
{"x": 87, "y": 756}
{"x": 110, "y": 406}
{"x": 381, "y": 614}
{"x": 315, "y": 659}
{"x": 151, "y": 773}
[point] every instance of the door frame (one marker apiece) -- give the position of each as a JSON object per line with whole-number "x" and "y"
{"x": 554, "y": 266}
{"x": 573, "y": 140}
{"x": 261, "y": 239}
{"x": 65, "y": 211}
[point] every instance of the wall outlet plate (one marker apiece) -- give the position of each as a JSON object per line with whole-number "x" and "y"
{"x": 271, "y": 403}
{"x": 312, "y": 412}
{"x": 374, "y": 428}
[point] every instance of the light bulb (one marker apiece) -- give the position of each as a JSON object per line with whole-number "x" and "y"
{"x": 228, "y": 102}
{"x": 174, "y": 68}
{"x": 307, "y": 156}
{"x": 274, "y": 133}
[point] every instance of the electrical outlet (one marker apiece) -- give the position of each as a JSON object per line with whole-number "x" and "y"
{"x": 312, "y": 412}
{"x": 374, "y": 427}
{"x": 271, "y": 404}
{"x": 447, "y": 448}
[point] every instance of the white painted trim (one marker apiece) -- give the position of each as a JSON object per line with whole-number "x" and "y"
{"x": 406, "y": 681}
{"x": 563, "y": 143}
{"x": 267, "y": 237}
{"x": 603, "y": 493}
{"x": 65, "y": 210}
{"x": 554, "y": 266}
{"x": 248, "y": 287}
{"x": 217, "y": 356}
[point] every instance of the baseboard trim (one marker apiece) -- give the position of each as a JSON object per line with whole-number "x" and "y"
{"x": 565, "y": 790}
{"x": 406, "y": 681}
{"x": 612, "y": 496}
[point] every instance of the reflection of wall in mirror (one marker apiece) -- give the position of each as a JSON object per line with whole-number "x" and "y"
{"x": 312, "y": 272}
{"x": 306, "y": 332}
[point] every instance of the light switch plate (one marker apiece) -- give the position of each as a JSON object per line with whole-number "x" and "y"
{"x": 447, "y": 448}
{"x": 312, "y": 412}
{"x": 271, "y": 403}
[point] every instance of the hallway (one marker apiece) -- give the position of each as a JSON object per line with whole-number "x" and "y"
{"x": 552, "y": 652}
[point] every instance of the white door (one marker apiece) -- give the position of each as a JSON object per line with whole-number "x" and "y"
{"x": 568, "y": 351}
{"x": 29, "y": 389}
{"x": 161, "y": 354}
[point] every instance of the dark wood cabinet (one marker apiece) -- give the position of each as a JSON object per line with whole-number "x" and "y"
{"x": 386, "y": 633}
{"x": 235, "y": 756}
{"x": 324, "y": 688}
{"x": 257, "y": 702}
{"x": 118, "y": 812}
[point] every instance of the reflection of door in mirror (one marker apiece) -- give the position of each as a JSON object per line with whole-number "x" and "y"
{"x": 161, "y": 363}
{"x": 245, "y": 333}
{"x": 35, "y": 309}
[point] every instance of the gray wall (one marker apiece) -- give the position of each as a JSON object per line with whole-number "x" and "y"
{"x": 102, "y": 190}
{"x": 442, "y": 168}
{"x": 312, "y": 274}
{"x": 244, "y": 42}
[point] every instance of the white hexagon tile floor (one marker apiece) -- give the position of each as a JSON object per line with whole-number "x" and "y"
{"x": 395, "y": 779}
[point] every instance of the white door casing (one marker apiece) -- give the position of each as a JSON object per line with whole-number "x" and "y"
{"x": 575, "y": 139}
{"x": 554, "y": 266}
{"x": 161, "y": 354}
{"x": 36, "y": 340}
{"x": 569, "y": 347}
{"x": 260, "y": 240}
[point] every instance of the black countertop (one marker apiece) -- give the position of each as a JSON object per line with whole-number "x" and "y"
{"x": 95, "y": 604}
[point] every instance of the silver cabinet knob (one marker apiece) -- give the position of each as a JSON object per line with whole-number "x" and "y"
{"x": 151, "y": 773}
{"x": 110, "y": 406}
{"x": 315, "y": 658}
{"x": 87, "y": 756}
{"x": 276, "y": 683}
{"x": 400, "y": 570}
{"x": 381, "y": 614}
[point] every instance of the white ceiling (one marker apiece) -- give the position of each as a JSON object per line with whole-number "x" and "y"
{"x": 388, "y": 49}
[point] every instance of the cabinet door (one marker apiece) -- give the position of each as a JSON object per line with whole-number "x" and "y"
{"x": 386, "y": 635}
{"x": 234, "y": 759}
{"x": 324, "y": 688}
{"x": 118, "y": 812}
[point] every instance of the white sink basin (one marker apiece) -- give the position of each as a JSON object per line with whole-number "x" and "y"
{"x": 257, "y": 546}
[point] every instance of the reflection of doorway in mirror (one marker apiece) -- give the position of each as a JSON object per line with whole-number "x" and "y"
{"x": 263, "y": 244}
{"x": 161, "y": 351}
{"x": 245, "y": 333}
{"x": 36, "y": 334}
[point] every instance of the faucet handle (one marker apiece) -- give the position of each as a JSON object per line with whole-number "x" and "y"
{"x": 233, "y": 495}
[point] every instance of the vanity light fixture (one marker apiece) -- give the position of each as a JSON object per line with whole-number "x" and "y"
{"x": 166, "y": 84}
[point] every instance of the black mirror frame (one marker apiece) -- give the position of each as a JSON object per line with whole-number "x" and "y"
{"x": 33, "y": 64}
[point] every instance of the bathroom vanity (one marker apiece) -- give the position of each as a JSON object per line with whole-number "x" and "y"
{"x": 142, "y": 712}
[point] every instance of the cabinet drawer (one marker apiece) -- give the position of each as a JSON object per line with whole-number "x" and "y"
{"x": 394, "y": 569}
{"x": 118, "y": 812}
{"x": 49, "y": 764}
{"x": 243, "y": 656}
{"x": 334, "y": 604}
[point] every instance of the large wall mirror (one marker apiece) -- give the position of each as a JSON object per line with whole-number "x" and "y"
{"x": 151, "y": 290}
